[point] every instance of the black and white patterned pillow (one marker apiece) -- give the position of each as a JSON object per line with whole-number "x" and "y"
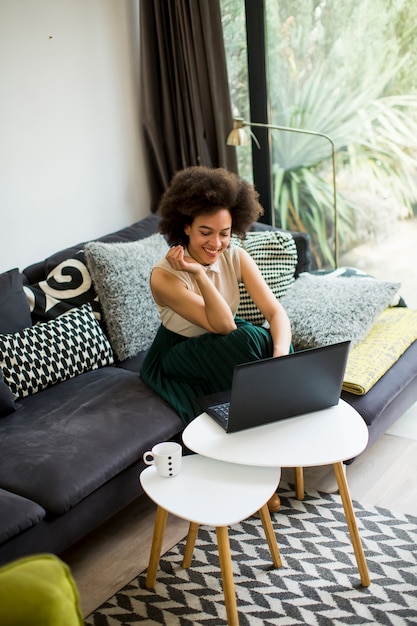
{"x": 275, "y": 253}
{"x": 51, "y": 352}
{"x": 67, "y": 286}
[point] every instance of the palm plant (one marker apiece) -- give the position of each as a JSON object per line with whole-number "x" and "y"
{"x": 373, "y": 133}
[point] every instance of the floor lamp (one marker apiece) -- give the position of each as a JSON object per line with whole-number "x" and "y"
{"x": 238, "y": 137}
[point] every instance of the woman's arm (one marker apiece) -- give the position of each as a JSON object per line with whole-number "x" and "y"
{"x": 209, "y": 311}
{"x": 267, "y": 303}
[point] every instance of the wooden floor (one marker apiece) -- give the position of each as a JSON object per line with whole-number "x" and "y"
{"x": 385, "y": 475}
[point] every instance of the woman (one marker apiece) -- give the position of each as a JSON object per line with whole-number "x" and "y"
{"x": 196, "y": 289}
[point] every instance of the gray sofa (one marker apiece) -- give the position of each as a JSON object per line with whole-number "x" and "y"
{"x": 71, "y": 449}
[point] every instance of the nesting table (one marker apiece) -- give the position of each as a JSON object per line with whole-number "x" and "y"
{"x": 233, "y": 475}
{"x": 326, "y": 437}
{"x": 213, "y": 493}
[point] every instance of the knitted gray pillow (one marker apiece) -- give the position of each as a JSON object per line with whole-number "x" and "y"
{"x": 327, "y": 309}
{"x": 120, "y": 273}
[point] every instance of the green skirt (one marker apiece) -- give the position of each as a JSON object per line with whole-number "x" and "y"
{"x": 180, "y": 369}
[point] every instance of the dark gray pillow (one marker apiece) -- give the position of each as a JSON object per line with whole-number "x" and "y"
{"x": 327, "y": 309}
{"x": 14, "y": 317}
{"x": 14, "y": 309}
{"x": 7, "y": 404}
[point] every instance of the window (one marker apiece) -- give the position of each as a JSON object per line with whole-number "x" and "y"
{"x": 234, "y": 29}
{"x": 343, "y": 69}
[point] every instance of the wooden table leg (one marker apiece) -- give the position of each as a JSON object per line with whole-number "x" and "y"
{"x": 227, "y": 575}
{"x": 158, "y": 535}
{"x": 189, "y": 546}
{"x": 270, "y": 535}
{"x": 352, "y": 525}
{"x": 299, "y": 482}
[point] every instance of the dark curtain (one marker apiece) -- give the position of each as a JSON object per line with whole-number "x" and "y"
{"x": 186, "y": 109}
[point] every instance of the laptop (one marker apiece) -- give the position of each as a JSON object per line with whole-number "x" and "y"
{"x": 273, "y": 389}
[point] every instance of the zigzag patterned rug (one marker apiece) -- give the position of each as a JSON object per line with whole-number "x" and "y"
{"x": 318, "y": 583}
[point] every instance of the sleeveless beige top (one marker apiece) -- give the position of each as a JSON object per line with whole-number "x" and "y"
{"x": 225, "y": 274}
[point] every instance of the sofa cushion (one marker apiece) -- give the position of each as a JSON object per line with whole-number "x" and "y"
{"x": 17, "y": 514}
{"x": 70, "y": 439}
{"x": 275, "y": 253}
{"x": 121, "y": 273}
{"x": 14, "y": 309}
{"x": 67, "y": 286}
{"x": 325, "y": 310}
{"x": 134, "y": 363}
{"x": 53, "y": 351}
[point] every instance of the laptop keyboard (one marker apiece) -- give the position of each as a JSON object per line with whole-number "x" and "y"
{"x": 222, "y": 412}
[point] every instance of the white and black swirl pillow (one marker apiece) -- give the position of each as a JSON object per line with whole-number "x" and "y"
{"x": 66, "y": 287}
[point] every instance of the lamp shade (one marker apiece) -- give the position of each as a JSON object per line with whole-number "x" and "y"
{"x": 237, "y": 136}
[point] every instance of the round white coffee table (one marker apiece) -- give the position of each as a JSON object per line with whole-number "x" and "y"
{"x": 326, "y": 437}
{"x": 213, "y": 493}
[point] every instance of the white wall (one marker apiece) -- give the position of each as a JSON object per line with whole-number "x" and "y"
{"x": 71, "y": 162}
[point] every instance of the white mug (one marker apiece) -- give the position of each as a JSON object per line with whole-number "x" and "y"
{"x": 166, "y": 457}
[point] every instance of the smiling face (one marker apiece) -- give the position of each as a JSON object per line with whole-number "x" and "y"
{"x": 209, "y": 236}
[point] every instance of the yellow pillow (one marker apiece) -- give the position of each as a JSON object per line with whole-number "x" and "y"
{"x": 393, "y": 332}
{"x": 38, "y": 591}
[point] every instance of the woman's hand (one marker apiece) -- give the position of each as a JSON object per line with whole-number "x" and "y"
{"x": 178, "y": 261}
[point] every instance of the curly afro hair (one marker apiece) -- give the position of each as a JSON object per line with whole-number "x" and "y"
{"x": 200, "y": 190}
